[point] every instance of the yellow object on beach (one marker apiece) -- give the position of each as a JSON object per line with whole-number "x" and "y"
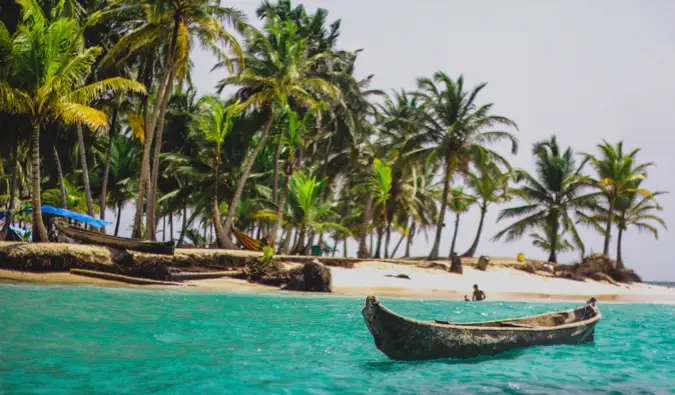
{"x": 521, "y": 257}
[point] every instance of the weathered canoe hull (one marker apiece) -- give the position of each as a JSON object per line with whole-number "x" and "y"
{"x": 401, "y": 338}
{"x": 89, "y": 237}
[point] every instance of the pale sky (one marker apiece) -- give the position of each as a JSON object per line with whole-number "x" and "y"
{"x": 582, "y": 70}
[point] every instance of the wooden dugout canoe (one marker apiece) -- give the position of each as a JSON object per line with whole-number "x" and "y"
{"x": 406, "y": 339}
{"x": 90, "y": 237}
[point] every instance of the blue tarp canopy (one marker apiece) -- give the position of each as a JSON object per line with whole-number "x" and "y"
{"x": 18, "y": 231}
{"x": 62, "y": 212}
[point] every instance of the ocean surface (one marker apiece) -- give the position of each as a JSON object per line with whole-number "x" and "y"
{"x": 88, "y": 340}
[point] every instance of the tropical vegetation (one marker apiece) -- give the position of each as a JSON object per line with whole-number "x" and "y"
{"x": 99, "y": 113}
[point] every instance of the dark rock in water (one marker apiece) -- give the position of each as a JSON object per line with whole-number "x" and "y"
{"x": 456, "y": 264}
{"x": 312, "y": 277}
{"x": 483, "y": 262}
{"x": 401, "y": 275}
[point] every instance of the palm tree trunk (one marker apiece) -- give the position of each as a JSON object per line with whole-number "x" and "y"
{"x": 441, "y": 214}
{"x": 393, "y": 253}
{"x": 372, "y": 243}
{"x": 387, "y": 240}
{"x": 287, "y": 240}
{"x": 106, "y": 169}
{"x": 454, "y": 236}
{"x": 152, "y": 193}
{"x": 380, "y": 232}
{"x": 472, "y": 250}
{"x": 119, "y": 216}
{"x": 608, "y": 229}
{"x": 39, "y": 229}
{"x": 344, "y": 248}
{"x": 619, "y": 258}
{"x": 275, "y": 181}
{"x": 62, "y": 182}
{"x": 363, "y": 251}
{"x": 85, "y": 172}
{"x": 184, "y": 226}
{"x": 280, "y": 212}
{"x": 171, "y": 225}
{"x": 408, "y": 243}
{"x": 12, "y": 197}
{"x": 221, "y": 235}
{"x": 244, "y": 177}
{"x": 553, "y": 257}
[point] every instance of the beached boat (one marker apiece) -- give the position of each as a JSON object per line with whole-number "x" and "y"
{"x": 406, "y": 339}
{"x": 91, "y": 237}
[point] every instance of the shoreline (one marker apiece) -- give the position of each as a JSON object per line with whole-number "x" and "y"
{"x": 371, "y": 278}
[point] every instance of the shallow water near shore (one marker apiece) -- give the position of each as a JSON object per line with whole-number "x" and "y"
{"x": 58, "y": 340}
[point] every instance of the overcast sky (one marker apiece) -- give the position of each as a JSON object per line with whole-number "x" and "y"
{"x": 582, "y": 70}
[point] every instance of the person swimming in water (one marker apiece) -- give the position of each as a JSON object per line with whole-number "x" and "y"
{"x": 478, "y": 295}
{"x": 466, "y": 298}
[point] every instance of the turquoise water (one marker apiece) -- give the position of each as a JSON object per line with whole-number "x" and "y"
{"x": 57, "y": 340}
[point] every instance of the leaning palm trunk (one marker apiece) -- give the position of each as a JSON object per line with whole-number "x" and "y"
{"x": 454, "y": 236}
{"x": 106, "y": 169}
{"x": 85, "y": 172}
{"x": 152, "y": 193}
{"x": 39, "y": 229}
{"x": 244, "y": 177}
{"x": 62, "y": 182}
{"x": 387, "y": 240}
{"x": 472, "y": 250}
{"x": 553, "y": 257}
{"x": 119, "y": 216}
{"x": 363, "y": 232}
{"x": 408, "y": 243}
{"x": 287, "y": 240}
{"x": 441, "y": 214}
{"x": 275, "y": 180}
{"x": 398, "y": 244}
{"x": 378, "y": 248}
{"x": 619, "y": 258}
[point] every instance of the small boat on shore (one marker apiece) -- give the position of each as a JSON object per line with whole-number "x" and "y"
{"x": 91, "y": 237}
{"x": 406, "y": 339}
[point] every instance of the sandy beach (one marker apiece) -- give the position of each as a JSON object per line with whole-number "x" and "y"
{"x": 379, "y": 278}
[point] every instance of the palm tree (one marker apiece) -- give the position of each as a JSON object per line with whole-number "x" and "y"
{"x": 145, "y": 33}
{"x": 380, "y": 185}
{"x": 43, "y": 76}
{"x": 213, "y": 124}
{"x": 617, "y": 175}
{"x": 314, "y": 213}
{"x": 543, "y": 241}
{"x": 490, "y": 185}
{"x": 636, "y": 210}
{"x": 455, "y": 129}
{"x": 551, "y": 198}
{"x": 125, "y": 157}
{"x": 459, "y": 203}
{"x": 277, "y": 72}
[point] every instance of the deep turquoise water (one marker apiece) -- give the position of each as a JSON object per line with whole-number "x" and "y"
{"x": 57, "y": 340}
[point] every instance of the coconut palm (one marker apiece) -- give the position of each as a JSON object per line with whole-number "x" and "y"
{"x": 42, "y": 76}
{"x": 552, "y": 198}
{"x": 617, "y": 174}
{"x": 277, "y": 71}
{"x": 456, "y": 128}
{"x": 490, "y": 186}
{"x": 213, "y": 123}
{"x": 380, "y": 185}
{"x": 314, "y": 213}
{"x": 543, "y": 241}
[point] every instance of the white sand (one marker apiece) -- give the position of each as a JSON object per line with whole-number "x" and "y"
{"x": 370, "y": 278}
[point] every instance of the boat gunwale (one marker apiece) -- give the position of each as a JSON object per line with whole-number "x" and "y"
{"x": 469, "y": 325}
{"x": 69, "y": 228}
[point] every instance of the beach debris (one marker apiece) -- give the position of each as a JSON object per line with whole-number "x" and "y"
{"x": 483, "y": 262}
{"x": 456, "y": 264}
